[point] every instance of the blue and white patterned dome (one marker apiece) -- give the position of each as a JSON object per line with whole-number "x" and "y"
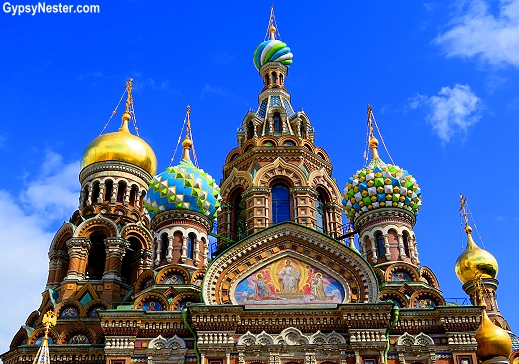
{"x": 183, "y": 187}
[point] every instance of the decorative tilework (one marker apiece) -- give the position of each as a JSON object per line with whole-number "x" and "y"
{"x": 183, "y": 187}
{"x": 381, "y": 185}
{"x": 443, "y": 355}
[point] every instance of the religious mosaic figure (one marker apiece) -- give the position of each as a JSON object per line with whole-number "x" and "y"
{"x": 318, "y": 288}
{"x": 289, "y": 277}
{"x": 262, "y": 289}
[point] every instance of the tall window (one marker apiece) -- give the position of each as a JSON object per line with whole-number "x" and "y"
{"x": 250, "y": 130}
{"x": 164, "y": 246}
{"x": 280, "y": 204}
{"x": 381, "y": 250}
{"x": 96, "y": 257}
{"x": 406, "y": 243}
{"x": 121, "y": 189}
{"x": 108, "y": 190}
{"x": 277, "y": 122}
{"x": 190, "y": 245}
{"x": 95, "y": 192}
{"x": 133, "y": 195}
{"x": 239, "y": 225}
{"x": 320, "y": 214}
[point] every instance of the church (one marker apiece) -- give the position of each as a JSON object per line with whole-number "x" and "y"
{"x": 274, "y": 264}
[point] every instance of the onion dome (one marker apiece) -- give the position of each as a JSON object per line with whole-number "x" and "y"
{"x": 380, "y": 185}
{"x": 121, "y": 145}
{"x": 492, "y": 340}
{"x": 475, "y": 260}
{"x": 183, "y": 187}
{"x": 272, "y": 50}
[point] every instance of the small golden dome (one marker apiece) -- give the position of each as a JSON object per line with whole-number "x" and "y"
{"x": 473, "y": 260}
{"x": 492, "y": 340}
{"x": 121, "y": 146}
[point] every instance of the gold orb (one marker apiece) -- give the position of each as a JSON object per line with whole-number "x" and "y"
{"x": 492, "y": 340}
{"x": 120, "y": 146}
{"x": 474, "y": 260}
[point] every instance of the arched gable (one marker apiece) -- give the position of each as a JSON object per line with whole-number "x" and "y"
{"x": 279, "y": 168}
{"x": 235, "y": 179}
{"x": 65, "y": 232}
{"x": 138, "y": 231}
{"x": 97, "y": 223}
{"x": 322, "y": 179}
{"x": 289, "y": 241}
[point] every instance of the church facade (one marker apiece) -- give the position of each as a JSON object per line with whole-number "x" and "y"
{"x": 133, "y": 279}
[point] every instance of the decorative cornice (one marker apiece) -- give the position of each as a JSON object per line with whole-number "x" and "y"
{"x": 384, "y": 214}
{"x": 111, "y": 166}
{"x": 167, "y": 217}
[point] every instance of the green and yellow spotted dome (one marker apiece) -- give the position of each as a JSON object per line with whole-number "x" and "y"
{"x": 380, "y": 185}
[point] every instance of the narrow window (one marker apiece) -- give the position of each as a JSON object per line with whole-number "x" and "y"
{"x": 250, "y": 130}
{"x": 191, "y": 238}
{"x": 277, "y": 122}
{"x": 108, "y": 190}
{"x": 239, "y": 226}
{"x": 320, "y": 213}
{"x": 280, "y": 204}
{"x": 96, "y": 257}
{"x": 121, "y": 189}
{"x": 164, "y": 246}
{"x": 274, "y": 77}
{"x": 380, "y": 245}
{"x": 406, "y": 243}
{"x": 133, "y": 195}
{"x": 281, "y": 79}
{"x": 95, "y": 192}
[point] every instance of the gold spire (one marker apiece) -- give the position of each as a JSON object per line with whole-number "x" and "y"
{"x": 373, "y": 142}
{"x": 473, "y": 260}
{"x": 271, "y": 29}
{"x": 128, "y": 112}
{"x": 187, "y": 143}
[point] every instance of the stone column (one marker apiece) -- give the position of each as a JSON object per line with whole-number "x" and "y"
{"x": 184, "y": 249}
{"x": 77, "y": 251}
{"x": 115, "y": 251}
{"x": 169, "y": 256}
{"x": 205, "y": 255}
{"x": 196, "y": 252}
{"x": 89, "y": 197}
{"x": 126, "y": 200}
{"x": 58, "y": 258}
{"x": 374, "y": 257}
{"x": 386, "y": 247}
{"x": 115, "y": 189}
{"x": 101, "y": 196}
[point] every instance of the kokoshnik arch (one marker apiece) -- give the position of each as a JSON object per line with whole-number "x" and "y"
{"x": 132, "y": 279}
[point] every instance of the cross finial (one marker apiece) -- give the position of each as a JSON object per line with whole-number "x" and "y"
{"x": 463, "y": 210}
{"x": 373, "y": 142}
{"x": 129, "y": 99}
{"x": 187, "y": 143}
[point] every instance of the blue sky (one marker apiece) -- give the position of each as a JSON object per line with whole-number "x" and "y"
{"x": 442, "y": 78}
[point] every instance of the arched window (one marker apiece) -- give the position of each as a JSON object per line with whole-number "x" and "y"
{"x": 141, "y": 201}
{"x": 129, "y": 265}
{"x": 133, "y": 195}
{"x": 280, "y": 204}
{"x": 320, "y": 213}
{"x": 239, "y": 217}
{"x": 281, "y": 79}
{"x": 164, "y": 246}
{"x": 84, "y": 196}
{"x": 405, "y": 239}
{"x": 381, "y": 249}
{"x": 95, "y": 192}
{"x": 121, "y": 189}
{"x": 274, "y": 77}
{"x": 277, "y": 122}
{"x": 96, "y": 257}
{"x": 250, "y": 130}
{"x": 108, "y": 190}
{"x": 191, "y": 239}
{"x": 302, "y": 131}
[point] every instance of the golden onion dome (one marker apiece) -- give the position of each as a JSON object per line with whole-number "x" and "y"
{"x": 122, "y": 146}
{"x": 492, "y": 340}
{"x": 474, "y": 260}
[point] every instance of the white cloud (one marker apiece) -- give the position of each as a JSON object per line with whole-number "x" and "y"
{"x": 479, "y": 33}
{"x": 451, "y": 111}
{"x": 25, "y": 235}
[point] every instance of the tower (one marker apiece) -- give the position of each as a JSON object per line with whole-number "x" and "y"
{"x": 477, "y": 269}
{"x": 276, "y": 173}
{"x": 382, "y": 202}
